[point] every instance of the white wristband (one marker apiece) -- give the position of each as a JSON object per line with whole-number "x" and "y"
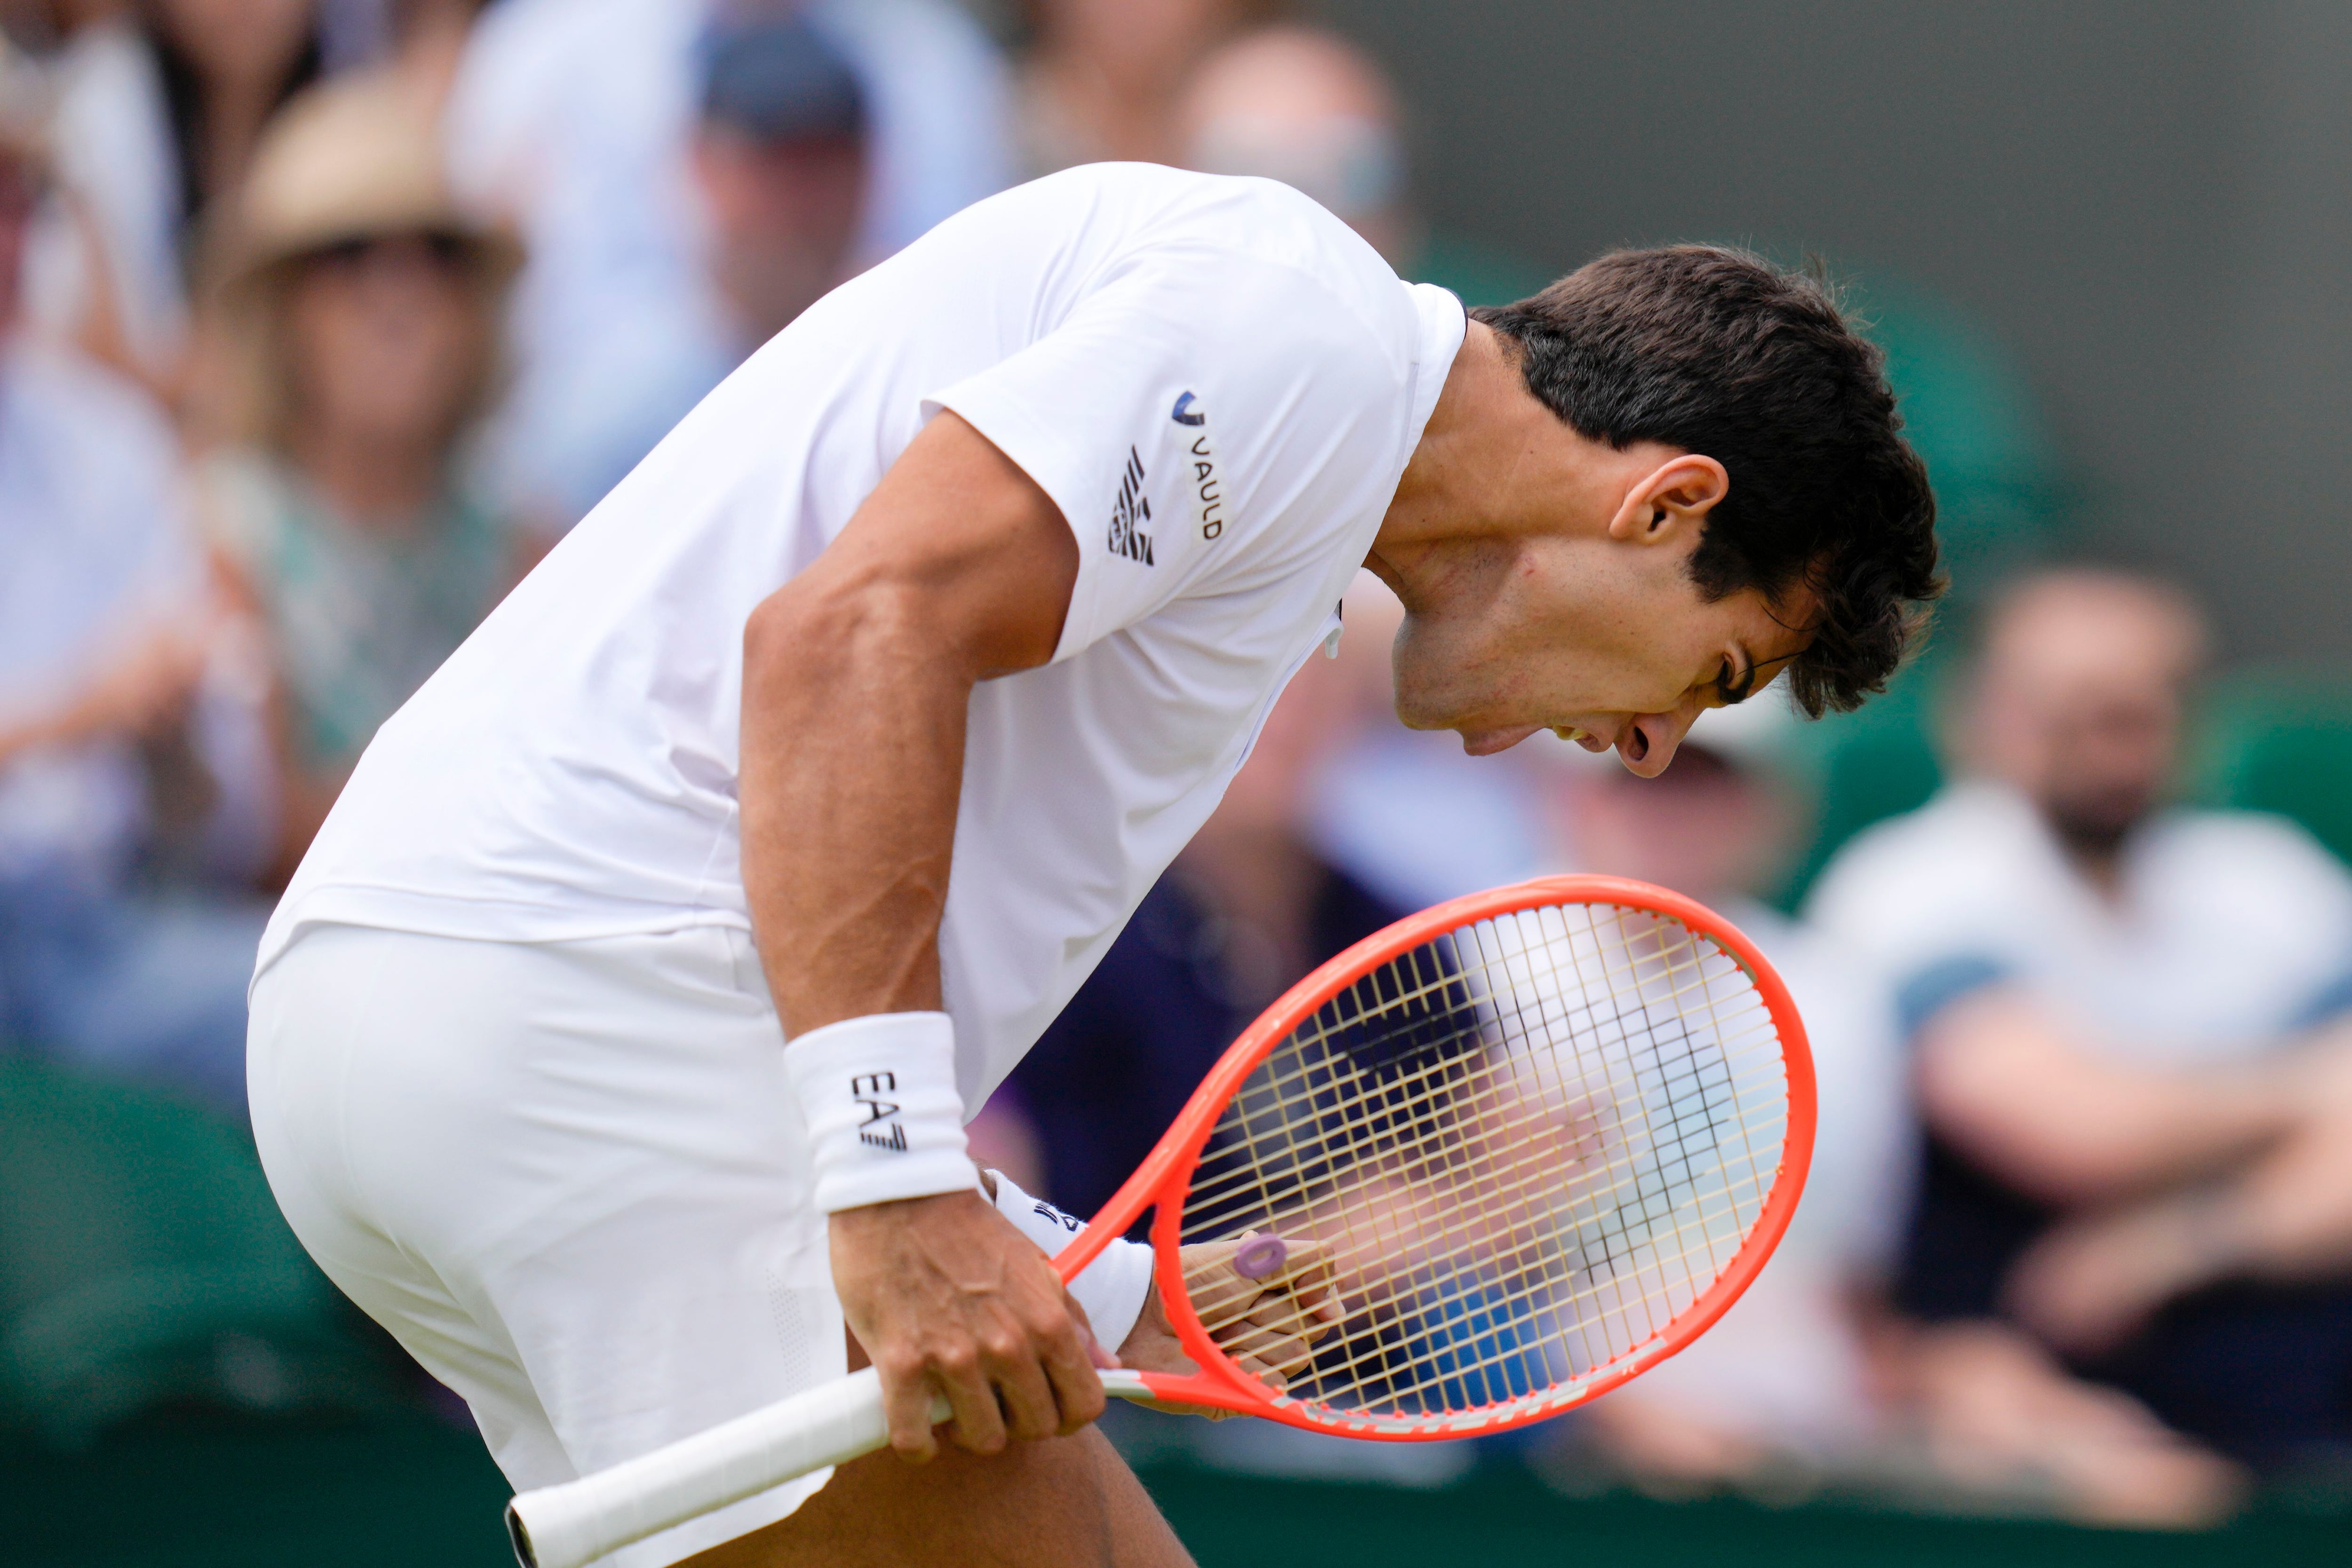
{"x": 1111, "y": 1288}
{"x": 884, "y": 1118}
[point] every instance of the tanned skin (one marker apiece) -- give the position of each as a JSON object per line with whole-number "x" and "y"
{"x": 1546, "y": 585}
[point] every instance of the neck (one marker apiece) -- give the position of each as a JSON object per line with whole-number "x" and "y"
{"x": 369, "y": 478}
{"x": 1490, "y": 467}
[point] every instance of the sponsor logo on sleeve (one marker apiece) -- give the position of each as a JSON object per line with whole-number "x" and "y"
{"x": 1206, "y": 490}
{"x": 1130, "y": 513}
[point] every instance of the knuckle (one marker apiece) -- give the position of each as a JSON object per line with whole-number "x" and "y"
{"x": 1000, "y": 1345}
{"x": 957, "y": 1361}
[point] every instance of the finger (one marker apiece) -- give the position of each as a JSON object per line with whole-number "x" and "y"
{"x": 1025, "y": 1397}
{"x": 979, "y": 1422}
{"x": 1064, "y": 1359}
{"x": 1287, "y": 1353}
{"x": 1218, "y": 1292}
{"x": 906, "y": 1405}
{"x": 1271, "y": 1376}
{"x": 1293, "y": 1314}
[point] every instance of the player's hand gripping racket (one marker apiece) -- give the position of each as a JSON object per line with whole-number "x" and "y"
{"x": 1479, "y": 1168}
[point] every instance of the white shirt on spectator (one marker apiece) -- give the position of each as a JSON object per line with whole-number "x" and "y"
{"x": 2229, "y": 927}
{"x": 1217, "y": 382}
{"x": 94, "y": 552}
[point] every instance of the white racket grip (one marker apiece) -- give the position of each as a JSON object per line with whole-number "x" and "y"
{"x": 571, "y": 1525}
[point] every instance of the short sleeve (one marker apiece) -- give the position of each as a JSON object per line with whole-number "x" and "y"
{"x": 1202, "y": 417}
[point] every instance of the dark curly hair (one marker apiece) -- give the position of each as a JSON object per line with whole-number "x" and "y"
{"x": 1717, "y": 351}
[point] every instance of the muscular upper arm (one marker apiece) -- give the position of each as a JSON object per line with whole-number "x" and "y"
{"x": 958, "y": 544}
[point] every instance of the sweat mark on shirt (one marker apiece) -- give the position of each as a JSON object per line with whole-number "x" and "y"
{"x": 1130, "y": 513}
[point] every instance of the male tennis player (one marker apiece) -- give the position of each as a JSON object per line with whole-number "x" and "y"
{"x": 866, "y": 710}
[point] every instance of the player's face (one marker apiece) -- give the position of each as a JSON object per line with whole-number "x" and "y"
{"x": 1583, "y": 633}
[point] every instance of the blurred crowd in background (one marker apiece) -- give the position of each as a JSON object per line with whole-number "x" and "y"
{"x": 325, "y": 318}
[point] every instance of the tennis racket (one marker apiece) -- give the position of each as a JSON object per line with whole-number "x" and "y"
{"x": 1480, "y": 1168}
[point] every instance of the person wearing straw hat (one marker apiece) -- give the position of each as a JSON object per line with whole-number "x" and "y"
{"x": 356, "y": 349}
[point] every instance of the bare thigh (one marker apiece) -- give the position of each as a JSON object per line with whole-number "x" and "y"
{"x": 1066, "y": 1502}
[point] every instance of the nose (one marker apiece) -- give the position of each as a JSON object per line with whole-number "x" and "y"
{"x": 1649, "y": 742}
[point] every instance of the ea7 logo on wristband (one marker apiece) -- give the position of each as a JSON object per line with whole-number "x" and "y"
{"x": 867, "y": 1089}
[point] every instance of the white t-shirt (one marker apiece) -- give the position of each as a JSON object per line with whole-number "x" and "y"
{"x": 2230, "y": 925}
{"x": 1217, "y": 382}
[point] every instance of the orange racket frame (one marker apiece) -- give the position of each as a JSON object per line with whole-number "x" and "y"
{"x": 1164, "y": 1177}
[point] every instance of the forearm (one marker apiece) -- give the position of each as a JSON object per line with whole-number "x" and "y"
{"x": 76, "y": 718}
{"x": 853, "y": 756}
{"x": 856, "y": 678}
{"x": 2051, "y": 1116}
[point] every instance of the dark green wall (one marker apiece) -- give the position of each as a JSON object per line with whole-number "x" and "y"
{"x": 2149, "y": 204}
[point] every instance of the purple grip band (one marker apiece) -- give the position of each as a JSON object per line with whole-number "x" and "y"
{"x": 1261, "y": 1256}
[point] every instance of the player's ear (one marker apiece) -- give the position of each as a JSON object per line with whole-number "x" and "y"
{"x": 1671, "y": 503}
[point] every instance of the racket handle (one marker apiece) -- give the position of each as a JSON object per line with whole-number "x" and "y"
{"x": 570, "y": 1525}
{"x": 573, "y": 1524}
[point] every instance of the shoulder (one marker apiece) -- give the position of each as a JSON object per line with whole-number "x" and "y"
{"x": 1927, "y": 877}
{"x": 1215, "y": 225}
{"x": 1950, "y": 835}
{"x": 2251, "y": 856}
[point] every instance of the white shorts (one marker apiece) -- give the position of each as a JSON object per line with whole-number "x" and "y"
{"x": 569, "y": 1178}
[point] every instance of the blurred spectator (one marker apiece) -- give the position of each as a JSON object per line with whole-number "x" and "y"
{"x": 779, "y": 163}
{"x": 1102, "y": 77}
{"x": 1805, "y": 1375}
{"x": 1246, "y": 911}
{"x": 160, "y": 104}
{"x": 127, "y": 759}
{"x": 1306, "y": 106}
{"x": 573, "y": 120}
{"x": 361, "y": 309}
{"x": 2137, "y": 1146}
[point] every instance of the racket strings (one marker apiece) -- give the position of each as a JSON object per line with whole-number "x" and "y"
{"x": 1289, "y": 1074}
{"x": 1518, "y": 1152}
